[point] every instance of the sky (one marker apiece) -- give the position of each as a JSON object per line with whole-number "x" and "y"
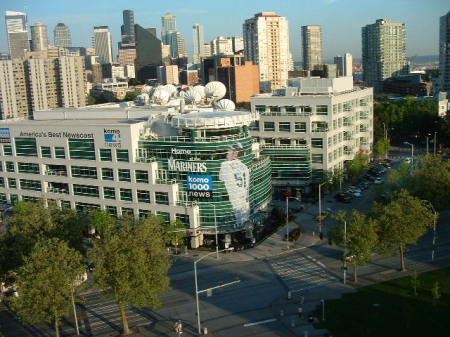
{"x": 341, "y": 20}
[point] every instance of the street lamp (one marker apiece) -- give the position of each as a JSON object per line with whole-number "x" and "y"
{"x": 204, "y": 290}
{"x": 429, "y": 134}
{"x": 287, "y": 216}
{"x": 434, "y": 228}
{"x": 323, "y": 309}
{"x": 434, "y": 143}
{"x": 217, "y": 235}
{"x": 320, "y": 207}
{"x": 412, "y": 152}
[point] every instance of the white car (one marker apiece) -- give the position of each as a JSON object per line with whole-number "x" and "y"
{"x": 356, "y": 194}
{"x": 407, "y": 160}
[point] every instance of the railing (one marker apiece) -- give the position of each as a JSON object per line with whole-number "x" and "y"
{"x": 285, "y": 113}
{"x": 275, "y": 147}
{"x": 320, "y": 130}
{"x": 180, "y": 139}
{"x": 187, "y": 203}
{"x": 57, "y": 190}
{"x": 165, "y": 181}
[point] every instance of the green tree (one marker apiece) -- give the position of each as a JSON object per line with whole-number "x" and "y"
{"x": 91, "y": 100}
{"x": 436, "y": 292}
{"x": 334, "y": 179}
{"x": 359, "y": 238}
{"x": 131, "y": 265}
{"x": 381, "y": 147}
{"x": 103, "y": 222}
{"x": 131, "y": 95}
{"x": 47, "y": 281}
{"x": 176, "y": 234}
{"x": 401, "y": 222}
{"x": 356, "y": 166}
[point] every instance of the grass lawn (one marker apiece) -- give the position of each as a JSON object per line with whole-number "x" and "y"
{"x": 399, "y": 313}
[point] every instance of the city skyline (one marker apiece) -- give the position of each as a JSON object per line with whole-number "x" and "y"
{"x": 339, "y": 34}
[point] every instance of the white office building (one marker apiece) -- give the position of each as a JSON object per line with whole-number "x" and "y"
{"x": 313, "y": 127}
{"x": 344, "y": 64}
{"x": 17, "y": 31}
{"x": 103, "y": 44}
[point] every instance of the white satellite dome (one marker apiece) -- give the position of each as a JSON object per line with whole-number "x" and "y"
{"x": 200, "y": 89}
{"x": 225, "y": 105}
{"x": 142, "y": 99}
{"x": 215, "y": 89}
{"x": 171, "y": 89}
{"x": 192, "y": 97}
{"x": 161, "y": 95}
{"x": 147, "y": 89}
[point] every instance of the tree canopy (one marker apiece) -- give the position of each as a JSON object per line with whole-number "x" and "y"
{"x": 131, "y": 263}
{"x": 46, "y": 282}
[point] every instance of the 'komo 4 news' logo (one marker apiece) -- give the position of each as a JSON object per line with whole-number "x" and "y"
{"x": 111, "y": 135}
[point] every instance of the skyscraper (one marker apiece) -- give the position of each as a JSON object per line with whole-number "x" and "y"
{"x": 128, "y": 26}
{"x": 344, "y": 64}
{"x": 39, "y": 37}
{"x": 197, "y": 31}
{"x": 103, "y": 44}
{"x": 383, "y": 52}
{"x": 170, "y": 35}
{"x": 13, "y": 90}
{"x": 61, "y": 36}
{"x": 16, "y": 28}
{"x": 266, "y": 43}
{"x": 444, "y": 52}
{"x": 148, "y": 54}
{"x": 312, "y": 46}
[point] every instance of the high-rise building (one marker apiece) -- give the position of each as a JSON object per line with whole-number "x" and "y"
{"x": 170, "y": 36}
{"x": 444, "y": 52}
{"x": 206, "y": 50}
{"x": 13, "y": 90}
{"x": 62, "y": 36}
{"x": 266, "y": 43}
{"x": 127, "y": 53}
{"x": 222, "y": 46}
{"x": 169, "y": 24}
{"x": 197, "y": 31}
{"x": 39, "y": 37}
{"x": 237, "y": 44}
{"x": 103, "y": 44}
{"x": 241, "y": 78}
{"x": 181, "y": 46}
{"x": 148, "y": 54}
{"x": 17, "y": 31}
{"x": 312, "y": 46}
{"x": 128, "y": 26}
{"x": 168, "y": 74}
{"x": 383, "y": 52}
{"x": 71, "y": 81}
{"x": 43, "y": 88}
{"x": 344, "y": 64}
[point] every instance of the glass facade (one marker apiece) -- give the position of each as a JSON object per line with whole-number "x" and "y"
{"x": 26, "y": 147}
{"x": 82, "y": 149}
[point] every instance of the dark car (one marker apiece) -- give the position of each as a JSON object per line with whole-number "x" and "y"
{"x": 343, "y": 197}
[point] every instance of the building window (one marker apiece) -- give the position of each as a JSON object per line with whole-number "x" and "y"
{"x": 269, "y": 141}
{"x": 1, "y": 166}
{"x": 33, "y": 185}
{"x": 141, "y": 176}
{"x": 65, "y": 204}
{"x": 300, "y": 127}
{"x": 274, "y": 109}
{"x": 3, "y": 199}
{"x": 162, "y": 198}
{"x": 126, "y": 194}
{"x": 7, "y": 150}
{"x": 10, "y": 166}
{"x": 109, "y": 192}
{"x": 105, "y": 155}
{"x": 284, "y": 126}
{"x": 127, "y": 211}
{"x": 184, "y": 218}
{"x": 165, "y": 217}
{"x": 111, "y": 210}
{"x": 124, "y": 175}
{"x": 122, "y": 155}
{"x": 317, "y": 142}
{"x": 60, "y": 153}
{"x": 82, "y": 149}
{"x": 12, "y": 183}
{"x": 107, "y": 173}
{"x": 84, "y": 207}
{"x": 84, "y": 172}
{"x": 26, "y": 147}
{"x": 290, "y": 108}
{"x": 260, "y": 108}
{"x": 284, "y": 141}
{"x": 143, "y": 213}
{"x": 143, "y": 196}
{"x": 322, "y": 110}
{"x": 317, "y": 158}
{"x": 86, "y": 190}
{"x": 28, "y": 168}
{"x": 46, "y": 152}
{"x": 269, "y": 126}
{"x": 2, "y": 182}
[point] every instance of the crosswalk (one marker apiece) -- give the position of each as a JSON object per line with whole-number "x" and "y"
{"x": 300, "y": 272}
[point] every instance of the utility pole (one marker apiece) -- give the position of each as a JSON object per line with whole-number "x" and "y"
{"x": 345, "y": 253}
{"x": 434, "y": 143}
{"x": 320, "y": 207}
{"x": 217, "y": 235}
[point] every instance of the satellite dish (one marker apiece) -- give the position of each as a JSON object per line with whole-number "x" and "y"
{"x": 161, "y": 95}
{"x": 200, "y": 89}
{"x": 182, "y": 94}
{"x": 215, "y": 89}
{"x": 171, "y": 89}
{"x": 192, "y": 97}
{"x": 225, "y": 105}
{"x": 148, "y": 89}
{"x": 142, "y": 99}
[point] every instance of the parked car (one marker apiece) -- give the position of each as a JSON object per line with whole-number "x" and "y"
{"x": 407, "y": 160}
